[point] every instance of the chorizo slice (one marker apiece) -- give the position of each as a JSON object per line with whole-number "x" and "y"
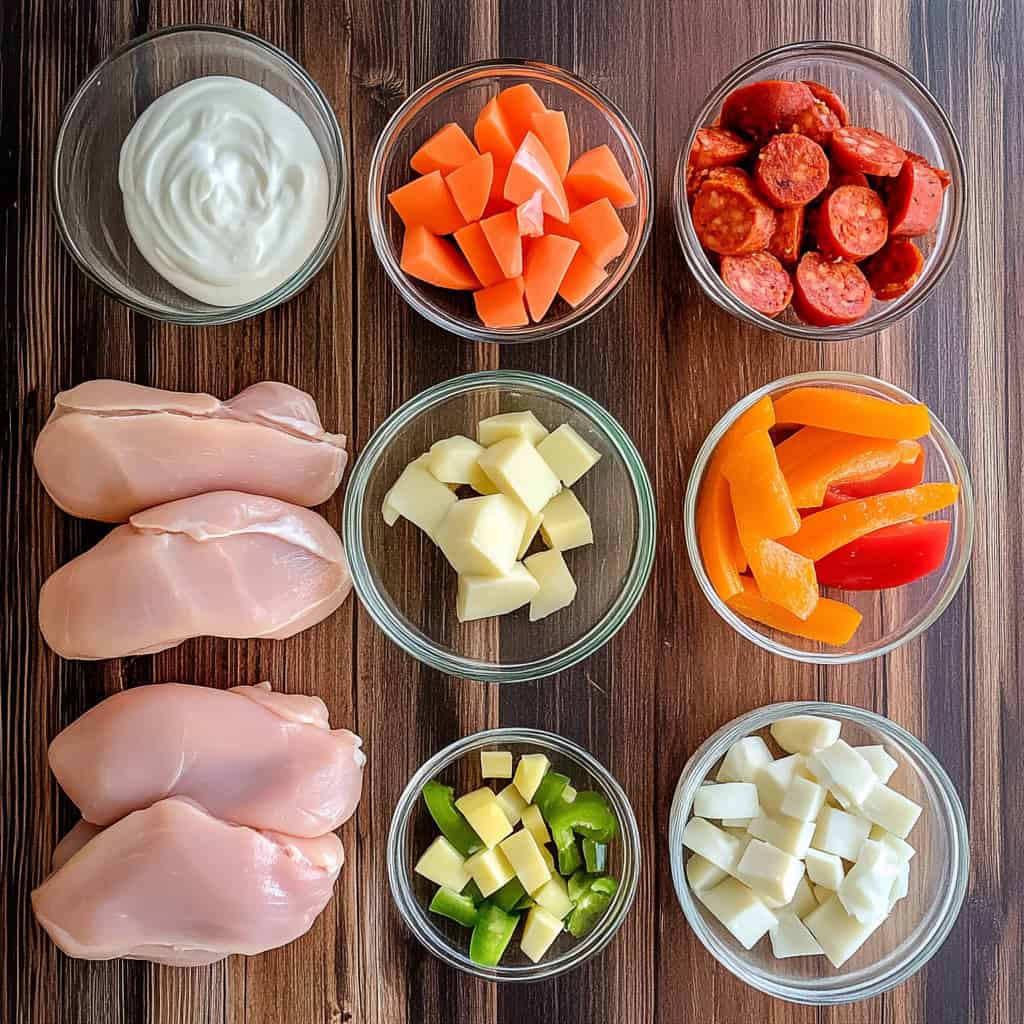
{"x": 763, "y": 109}
{"x": 825, "y": 95}
{"x": 791, "y": 170}
{"x": 730, "y": 219}
{"x": 894, "y": 270}
{"x": 915, "y": 200}
{"x": 817, "y": 122}
{"x": 851, "y": 223}
{"x": 945, "y": 178}
{"x": 718, "y": 147}
{"x": 759, "y": 281}
{"x": 864, "y": 149}
{"x": 827, "y": 293}
{"x": 787, "y": 238}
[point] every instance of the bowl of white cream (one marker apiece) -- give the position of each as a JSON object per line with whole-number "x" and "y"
{"x": 200, "y": 176}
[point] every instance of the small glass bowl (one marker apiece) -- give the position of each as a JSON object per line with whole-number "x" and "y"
{"x": 87, "y": 198}
{"x": 459, "y": 95}
{"x": 891, "y": 617}
{"x": 412, "y": 830}
{"x": 405, "y": 582}
{"x": 879, "y": 94}
{"x": 918, "y": 925}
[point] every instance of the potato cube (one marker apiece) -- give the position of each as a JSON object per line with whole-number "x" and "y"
{"x": 769, "y": 871}
{"x": 533, "y": 822}
{"x": 420, "y": 498}
{"x": 496, "y": 764}
{"x": 772, "y": 781}
{"x": 568, "y": 455}
{"x": 481, "y": 482}
{"x": 512, "y": 803}
{"x": 844, "y": 771}
{"x": 480, "y": 536}
{"x": 744, "y": 759}
{"x": 565, "y": 523}
{"x": 726, "y": 800}
{"x": 490, "y": 869}
{"x": 838, "y": 933}
{"x": 557, "y": 587}
{"x": 740, "y": 911}
{"x": 443, "y": 864}
{"x": 520, "y": 473}
{"x": 533, "y": 523}
{"x": 553, "y": 896}
{"x": 805, "y": 734}
{"x": 803, "y": 799}
{"x": 893, "y": 811}
{"x": 722, "y": 849}
{"x": 789, "y": 834}
{"x": 840, "y": 833}
{"x": 511, "y": 424}
{"x": 803, "y": 901}
{"x": 388, "y": 511}
{"x": 539, "y": 932}
{"x": 529, "y": 772}
{"x": 824, "y": 869}
{"x": 702, "y": 874}
{"x": 479, "y": 597}
{"x": 452, "y": 460}
{"x": 790, "y": 937}
{"x": 524, "y": 855}
{"x": 485, "y": 816}
{"x": 866, "y": 889}
{"x": 882, "y": 764}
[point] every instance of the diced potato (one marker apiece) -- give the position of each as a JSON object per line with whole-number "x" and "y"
{"x": 479, "y": 597}
{"x": 803, "y": 799}
{"x": 805, "y": 734}
{"x": 840, "y": 833}
{"x": 452, "y": 460}
{"x": 844, "y": 771}
{"x": 557, "y": 587}
{"x": 480, "y": 536}
{"x": 824, "y": 869}
{"x": 726, "y": 800}
{"x": 789, "y": 834}
{"x": 865, "y": 890}
{"x": 490, "y": 869}
{"x": 420, "y": 498}
{"x": 388, "y": 511}
{"x": 530, "y": 531}
{"x": 565, "y": 523}
{"x": 512, "y": 803}
{"x": 496, "y": 764}
{"x": 485, "y": 816}
{"x": 893, "y": 811}
{"x": 882, "y": 763}
{"x": 772, "y": 781}
{"x": 539, "y": 932}
{"x": 444, "y": 865}
{"x": 803, "y": 901}
{"x": 821, "y": 894}
{"x": 790, "y": 937}
{"x": 568, "y": 455}
{"x": 529, "y": 772}
{"x": 744, "y": 759}
{"x": 770, "y": 871}
{"x": 702, "y": 874}
{"x": 481, "y": 482}
{"x": 838, "y": 934}
{"x": 524, "y": 855}
{"x": 534, "y": 822}
{"x": 553, "y": 896}
{"x": 722, "y": 849}
{"x": 740, "y": 911}
{"x": 520, "y": 473}
{"x": 511, "y": 424}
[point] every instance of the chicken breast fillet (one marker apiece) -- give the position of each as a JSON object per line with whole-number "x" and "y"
{"x": 112, "y": 448}
{"x": 248, "y": 755}
{"x": 178, "y": 886}
{"x": 220, "y": 564}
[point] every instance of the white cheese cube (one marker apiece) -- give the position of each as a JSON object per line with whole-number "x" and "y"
{"x": 722, "y": 849}
{"x": 490, "y": 869}
{"x": 868, "y": 884}
{"x": 769, "y": 871}
{"x": 790, "y": 937}
{"x": 789, "y": 834}
{"x": 530, "y": 770}
{"x": 480, "y": 597}
{"x": 744, "y": 759}
{"x": 565, "y": 523}
{"x": 900, "y": 849}
{"x": 524, "y": 855}
{"x": 444, "y": 865}
{"x": 496, "y": 764}
{"x": 512, "y": 804}
{"x": 485, "y": 816}
{"x": 824, "y": 869}
{"x": 803, "y": 799}
{"x": 520, "y": 473}
{"x": 740, "y": 823}
{"x": 553, "y": 896}
{"x": 843, "y": 770}
{"x": 900, "y": 887}
{"x": 893, "y": 811}
{"x": 568, "y": 455}
{"x": 882, "y": 764}
{"x": 529, "y": 531}
{"x": 548, "y": 857}
{"x": 539, "y": 932}
{"x": 511, "y": 424}
{"x": 726, "y": 800}
{"x": 803, "y": 901}
{"x": 480, "y": 536}
{"x": 534, "y": 822}
{"x": 452, "y": 460}
{"x": 420, "y": 498}
{"x": 838, "y": 934}
{"x": 481, "y": 482}
{"x": 388, "y": 511}
{"x": 740, "y": 911}
{"x": 557, "y": 588}
{"x": 702, "y": 874}
{"x": 805, "y": 734}
{"x": 822, "y": 894}
{"x": 840, "y": 833}
{"x": 773, "y": 780}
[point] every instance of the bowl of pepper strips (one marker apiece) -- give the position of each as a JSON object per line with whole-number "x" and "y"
{"x": 829, "y": 517}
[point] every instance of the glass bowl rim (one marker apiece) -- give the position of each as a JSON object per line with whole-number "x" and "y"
{"x": 954, "y": 822}
{"x": 427, "y": 651}
{"x": 400, "y": 869}
{"x": 453, "y": 78}
{"x": 712, "y": 285}
{"x": 963, "y": 512}
{"x": 291, "y": 285}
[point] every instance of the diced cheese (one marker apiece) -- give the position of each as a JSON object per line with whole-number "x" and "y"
{"x": 722, "y": 849}
{"x": 479, "y": 597}
{"x": 702, "y": 874}
{"x": 803, "y": 799}
{"x": 490, "y": 869}
{"x": 805, "y": 734}
{"x": 803, "y": 901}
{"x": 557, "y": 588}
{"x": 529, "y": 772}
{"x": 480, "y": 536}
{"x": 539, "y": 932}
{"x": 568, "y": 455}
{"x": 893, "y": 811}
{"x": 740, "y": 911}
{"x": 444, "y": 865}
{"x": 772, "y": 781}
{"x": 901, "y": 886}
{"x": 496, "y": 764}
{"x": 452, "y": 460}
{"x": 420, "y": 498}
{"x": 511, "y": 424}
{"x": 726, "y": 800}
{"x": 824, "y": 869}
{"x": 530, "y": 531}
{"x": 822, "y": 894}
{"x": 520, "y": 473}
{"x": 868, "y": 884}
{"x": 843, "y": 770}
{"x": 388, "y": 511}
{"x": 840, "y": 833}
{"x": 838, "y": 934}
{"x": 787, "y": 834}
{"x": 901, "y": 850}
{"x": 790, "y": 937}
{"x": 485, "y": 816}
{"x": 524, "y": 855}
{"x": 481, "y": 482}
{"x": 744, "y": 759}
{"x": 769, "y": 871}
{"x": 512, "y": 803}
{"x": 740, "y": 823}
{"x": 882, "y": 764}
{"x": 565, "y": 523}
{"x": 553, "y": 896}
{"x": 534, "y": 822}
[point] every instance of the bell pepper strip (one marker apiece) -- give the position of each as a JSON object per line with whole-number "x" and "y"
{"x": 509, "y": 895}
{"x": 579, "y": 884}
{"x": 853, "y": 413}
{"x": 549, "y": 792}
{"x": 440, "y": 801}
{"x": 831, "y": 622}
{"x": 595, "y": 856}
{"x": 491, "y": 934}
{"x": 453, "y": 905}
{"x": 589, "y": 815}
{"x": 525, "y": 903}
{"x": 472, "y": 890}
{"x": 833, "y": 528}
{"x": 890, "y": 557}
{"x": 899, "y": 478}
{"x": 784, "y": 577}
{"x": 570, "y": 860}
{"x": 591, "y": 905}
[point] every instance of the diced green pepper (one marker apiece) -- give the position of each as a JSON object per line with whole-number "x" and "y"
{"x": 606, "y": 884}
{"x": 509, "y": 895}
{"x": 440, "y": 801}
{"x": 491, "y": 934}
{"x": 570, "y": 859}
{"x": 592, "y": 904}
{"x": 589, "y": 815}
{"x": 472, "y": 890}
{"x": 595, "y": 855}
{"x": 454, "y": 906}
{"x": 524, "y": 904}
{"x": 549, "y": 791}
{"x": 579, "y": 884}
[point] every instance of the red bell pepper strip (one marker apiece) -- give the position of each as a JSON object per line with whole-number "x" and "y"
{"x": 886, "y": 558}
{"x": 899, "y": 478}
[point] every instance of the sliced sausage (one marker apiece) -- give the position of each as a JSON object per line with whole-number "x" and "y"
{"x": 864, "y": 149}
{"x": 788, "y": 235}
{"x": 825, "y": 95}
{"x": 758, "y": 280}
{"x": 851, "y": 223}
{"x": 894, "y": 270}
{"x": 945, "y": 178}
{"x": 763, "y": 109}
{"x": 817, "y": 122}
{"x": 730, "y": 220}
{"x": 827, "y": 293}
{"x": 718, "y": 147}
{"x": 915, "y": 200}
{"x": 791, "y": 170}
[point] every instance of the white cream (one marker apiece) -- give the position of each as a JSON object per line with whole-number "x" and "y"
{"x": 225, "y": 189}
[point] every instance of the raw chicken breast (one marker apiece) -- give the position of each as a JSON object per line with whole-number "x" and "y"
{"x": 112, "y": 448}
{"x": 248, "y": 755}
{"x": 176, "y": 885}
{"x": 82, "y": 832}
{"x": 220, "y": 564}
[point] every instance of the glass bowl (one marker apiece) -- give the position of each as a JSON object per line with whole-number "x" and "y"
{"x": 405, "y": 582}
{"x": 412, "y": 830}
{"x": 459, "y": 95}
{"x": 918, "y": 925}
{"x": 87, "y": 197}
{"x": 879, "y": 94}
{"x": 891, "y": 617}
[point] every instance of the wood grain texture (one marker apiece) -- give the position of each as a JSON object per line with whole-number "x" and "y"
{"x": 661, "y": 359}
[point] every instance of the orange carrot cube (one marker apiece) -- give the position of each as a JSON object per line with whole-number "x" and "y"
{"x": 436, "y": 261}
{"x": 596, "y": 174}
{"x": 502, "y": 304}
{"x": 426, "y": 201}
{"x": 445, "y": 150}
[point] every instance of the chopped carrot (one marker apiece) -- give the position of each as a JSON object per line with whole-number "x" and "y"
{"x": 502, "y": 305}
{"x": 477, "y": 250}
{"x": 784, "y": 577}
{"x": 435, "y": 261}
{"x": 519, "y": 103}
{"x": 545, "y": 264}
{"x": 532, "y": 169}
{"x": 599, "y": 231}
{"x": 582, "y": 277}
{"x": 556, "y": 227}
{"x": 502, "y": 234}
{"x": 597, "y": 173}
{"x": 445, "y": 150}
{"x": 831, "y": 622}
{"x": 470, "y": 185}
{"x": 427, "y": 201}
{"x": 492, "y": 135}
{"x": 853, "y": 412}
{"x": 530, "y": 216}
{"x": 551, "y": 128}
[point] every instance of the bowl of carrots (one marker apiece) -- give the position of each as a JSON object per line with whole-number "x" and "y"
{"x": 829, "y": 517}
{"x": 509, "y": 200}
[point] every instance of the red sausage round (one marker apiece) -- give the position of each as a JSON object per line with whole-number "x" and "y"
{"x": 791, "y": 170}
{"x": 830, "y": 292}
{"x": 851, "y": 223}
{"x": 915, "y": 200}
{"x": 864, "y": 149}
{"x": 717, "y": 147}
{"x": 817, "y": 122}
{"x": 763, "y": 109}
{"x": 758, "y": 280}
{"x": 825, "y": 95}
{"x": 945, "y": 178}
{"x": 730, "y": 219}
{"x": 788, "y": 236}
{"x": 894, "y": 270}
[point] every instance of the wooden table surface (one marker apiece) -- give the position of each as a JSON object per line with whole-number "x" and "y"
{"x": 666, "y": 363}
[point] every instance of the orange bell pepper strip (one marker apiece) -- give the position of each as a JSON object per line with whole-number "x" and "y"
{"x": 853, "y": 413}
{"x": 835, "y": 527}
{"x": 813, "y": 458}
{"x": 831, "y": 622}
{"x": 785, "y": 578}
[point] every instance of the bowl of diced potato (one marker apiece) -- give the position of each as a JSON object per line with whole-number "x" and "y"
{"x": 818, "y": 851}
{"x": 500, "y": 526}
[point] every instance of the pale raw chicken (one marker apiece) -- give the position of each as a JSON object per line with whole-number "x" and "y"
{"x": 176, "y": 885}
{"x": 112, "y": 448}
{"x": 248, "y": 755}
{"x": 220, "y": 564}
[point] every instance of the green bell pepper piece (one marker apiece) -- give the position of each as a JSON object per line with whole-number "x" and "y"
{"x": 453, "y": 905}
{"x": 472, "y": 890}
{"x": 605, "y": 884}
{"x": 549, "y": 791}
{"x": 588, "y": 815}
{"x": 570, "y": 859}
{"x": 592, "y": 904}
{"x": 595, "y": 856}
{"x": 440, "y": 801}
{"x": 579, "y": 884}
{"x": 491, "y": 934}
{"x": 509, "y": 895}
{"x": 525, "y": 903}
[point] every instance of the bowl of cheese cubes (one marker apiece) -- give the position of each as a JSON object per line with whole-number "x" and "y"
{"x": 819, "y": 851}
{"x": 500, "y": 526}
{"x": 514, "y": 855}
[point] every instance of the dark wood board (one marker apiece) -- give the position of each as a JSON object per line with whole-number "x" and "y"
{"x": 664, "y": 361}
